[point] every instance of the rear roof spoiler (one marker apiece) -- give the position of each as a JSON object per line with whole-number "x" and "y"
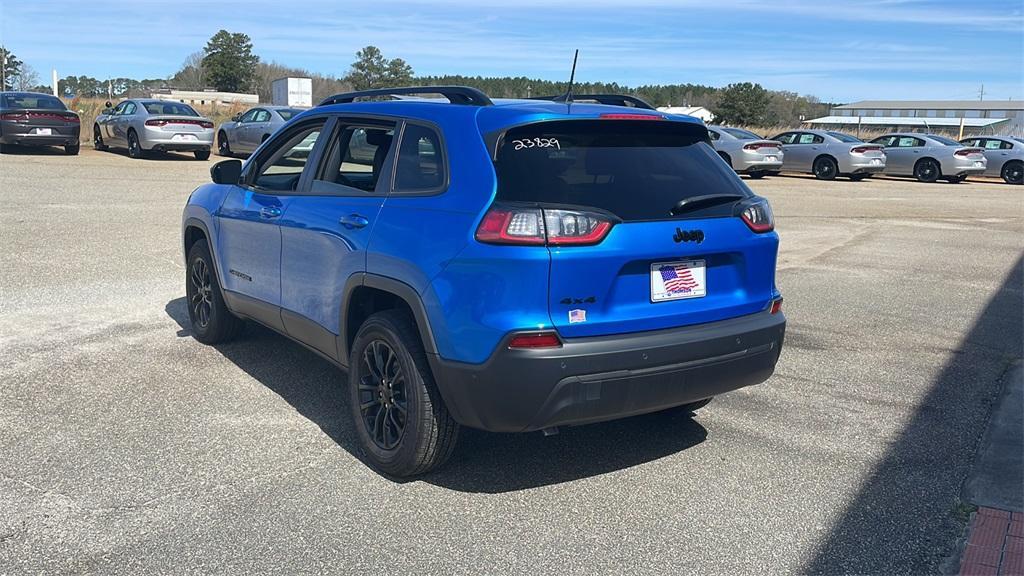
{"x": 609, "y": 99}
{"x": 464, "y": 95}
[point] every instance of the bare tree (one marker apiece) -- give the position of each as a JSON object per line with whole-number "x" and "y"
{"x": 191, "y": 76}
{"x": 27, "y": 78}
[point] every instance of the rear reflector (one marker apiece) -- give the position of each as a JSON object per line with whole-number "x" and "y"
{"x": 776, "y": 306}
{"x": 535, "y": 340}
{"x": 631, "y": 117}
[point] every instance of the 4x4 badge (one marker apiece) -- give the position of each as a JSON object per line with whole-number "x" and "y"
{"x": 688, "y": 236}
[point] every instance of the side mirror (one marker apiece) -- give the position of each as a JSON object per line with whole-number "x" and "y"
{"x": 108, "y": 104}
{"x": 226, "y": 172}
{"x": 236, "y": 117}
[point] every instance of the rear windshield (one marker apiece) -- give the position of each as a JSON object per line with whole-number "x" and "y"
{"x": 33, "y": 101}
{"x": 945, "y": 141}
{"x": 742, "y": 134}
{"x": 844, "y": 137}
{"x": 287, "y": 113}
{"x": 637, "y": 170}
{"x": 170, "y": 108}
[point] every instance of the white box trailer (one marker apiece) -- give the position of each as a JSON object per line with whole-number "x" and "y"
{"x": 296, "y": 92}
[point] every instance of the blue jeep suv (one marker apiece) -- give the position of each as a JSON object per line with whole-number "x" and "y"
{"x": 508, "y": 265}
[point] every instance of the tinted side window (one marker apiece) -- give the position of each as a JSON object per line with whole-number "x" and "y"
{"x": 421, "y": 165}
{"x": 887, "y": 141}
{"x": 714, "y": 135}
{"x": 248, "y": 116}
{"x": 282, "y": 169}
{"x": 356, "y": 159}
{"x": 262, "y": 116}
{"x": 786, "y": 138}
{"x": 129, "y": 109}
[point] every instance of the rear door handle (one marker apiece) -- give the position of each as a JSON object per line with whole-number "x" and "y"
{"x": 354, "y": 221}
{"x": 270, "y": 212}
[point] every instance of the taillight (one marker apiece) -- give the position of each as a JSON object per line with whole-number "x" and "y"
{"x": 548, "y": 339}
{"x": 156, "y": 122}
{"x": 73, "y": 119}
{"x": 758, "y": 216}
{"x": 863, "y": 149}
{"x": 540, "y": 226}
{"x": 776, "y": 306}
{"x": 14, "y": 116}
{"x": 614, "y": 116}
{"x": 759, "y": 145}
{"x": 966, "y": 151}
{"x": 206, "y": 124}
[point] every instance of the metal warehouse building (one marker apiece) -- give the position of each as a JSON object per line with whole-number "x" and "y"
{"x": 947, "y": 116}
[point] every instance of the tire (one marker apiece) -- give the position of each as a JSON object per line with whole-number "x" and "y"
{"x": 825, "y": 168}
{"x": 927, "y": 170}
{"x": 859, "y": 177}
{"x": 72, "y": 149}
{"x": 202, "y": 154}
{"x": 209, "y": 318}
{"x": 403, "y": 425}
{"x": 223, "y": 146}
{"x": 97, "y": 138}
{"x": 756, "y": 175}
{"x": 1013, "y": 172}
{"x": 134, "y": 147}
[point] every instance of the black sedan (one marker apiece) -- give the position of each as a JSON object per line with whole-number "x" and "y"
{"x": 34, "y": 119}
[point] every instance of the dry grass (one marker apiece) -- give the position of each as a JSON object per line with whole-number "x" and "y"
{"x": 89, "y": 108}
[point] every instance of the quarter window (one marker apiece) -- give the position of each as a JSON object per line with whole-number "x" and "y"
{"x": 420, "y": 160}
{"x": 283, "y": 168}
{"x": 714, "y": 135}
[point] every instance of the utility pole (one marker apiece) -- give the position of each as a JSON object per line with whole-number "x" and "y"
{"x": 981, "y": 93}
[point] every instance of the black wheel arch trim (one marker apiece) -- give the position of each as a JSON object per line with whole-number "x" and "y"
{"x": 407, "y": 293}
{"x": 190, "y": 222}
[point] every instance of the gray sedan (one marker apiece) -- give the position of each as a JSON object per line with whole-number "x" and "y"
{"x": 745, "y": 151}
{"x": 160, "y": 125}
{"x": 828, "y": 154}
{"x": 929, "y": 157}
{"x": 246, "y": 131}
{"x": 1005, "y": 155}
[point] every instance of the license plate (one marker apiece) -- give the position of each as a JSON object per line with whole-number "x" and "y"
{"x": 677, "y": 280}
{"x": 771, "y": 158}
{"x": 876, "y": 161}
{"x": 978, "y": 164}
{"x": 44, "y": 132}
{"x": 188, "y": 137}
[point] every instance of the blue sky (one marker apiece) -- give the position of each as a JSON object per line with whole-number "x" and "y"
{"x": 838, "y": 50}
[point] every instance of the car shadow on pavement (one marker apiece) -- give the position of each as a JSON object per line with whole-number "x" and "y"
{"x": 34, "y": 151}
{"x": 907, "y": 515}
{"x": 483, "y": 462}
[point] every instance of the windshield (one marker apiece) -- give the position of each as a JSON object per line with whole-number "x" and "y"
{"x": 945, "y": 141}
{"x": 287, "y": 113}
{"x": 40, "y": 101}
{"x": 170, "y": 108}
{"x": 844, "y": 137}
{"x": 742, "y": 134}
{"x": 636, "y": 170}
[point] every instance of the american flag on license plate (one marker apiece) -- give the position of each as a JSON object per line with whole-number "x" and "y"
{"x": 677, "y": 278}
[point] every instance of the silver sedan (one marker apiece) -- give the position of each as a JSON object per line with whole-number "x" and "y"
{"x": 828, "y": 154}
{"x": 929, "y": 157}
{"x": 142, "y": 126}
{"x": 1005, "y": 155}
{"x": 246, "y": 131}
{"x": 745, "y": 151}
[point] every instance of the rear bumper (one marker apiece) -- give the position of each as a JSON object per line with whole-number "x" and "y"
{"x": 21, "y": 134}
{"x": 861, "y": 166}
{"x": 162, "y": 140}
{"x": 963, "y": 168}
{"x": 757, "y": 165}
{"x": 604, "y": 378}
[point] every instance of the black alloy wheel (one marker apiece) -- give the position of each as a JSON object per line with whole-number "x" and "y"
{"x": 927, "y": 170}
{"x": 200, "y": 293}
{"x": 383, "y": 398}
{"x": 97, "y": 138}
{"x": 209, "y": 318}
{"x": 134, "y": 148}
{"x": 223, "y": 146}
{"x": 1013, "y": 172}
{"x": 825, "y": 168}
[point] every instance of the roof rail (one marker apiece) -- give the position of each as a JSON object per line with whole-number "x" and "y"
{"x": 455, "y": 94}
{"x": 609, "y": 99}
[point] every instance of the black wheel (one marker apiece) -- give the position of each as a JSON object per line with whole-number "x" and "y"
{"x": 859, "y": 177}
{"x": 97, "y": 138}
{"x": 1013, "y": 172}
{"x": 134, "y": 148}
{"x": 223, "y": 146}
{"x": 210, "y": 318}
{"x": 825, "y": 168}
{"x": 403, "y": 425}
{"x": 72, "y": 149}
{"x": 927, "y": 170}
{"x": 202, "y": 154}
{"x": 757, "y": 175}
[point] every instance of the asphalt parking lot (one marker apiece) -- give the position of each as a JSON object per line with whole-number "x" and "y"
{"x": 128, "y": 448}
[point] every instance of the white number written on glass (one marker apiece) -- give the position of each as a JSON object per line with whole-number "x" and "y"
{"x": 536, "y": 143}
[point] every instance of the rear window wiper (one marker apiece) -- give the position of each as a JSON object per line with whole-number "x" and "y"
{"x": 697, "y": 202}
